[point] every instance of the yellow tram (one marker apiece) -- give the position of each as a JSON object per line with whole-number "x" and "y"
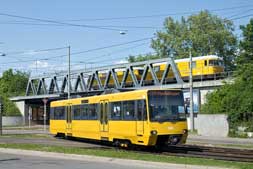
{"x": 141, "y": 117}
{"x": 203, "y": 67}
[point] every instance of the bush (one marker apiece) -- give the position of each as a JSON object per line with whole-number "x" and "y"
{"x": 235, "y": 100}
{"x": 9, "y": 108}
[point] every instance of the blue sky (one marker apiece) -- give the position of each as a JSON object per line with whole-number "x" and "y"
{"x": 16, "y": 37}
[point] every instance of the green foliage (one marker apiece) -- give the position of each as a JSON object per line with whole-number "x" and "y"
{"x": 246, "y": 46}
{"x": 207, "y": 34}
{"x": 236, "y": 99}
{"x": 12, "y": 84}
{"x": 140, "y": 58}
{"x": 9, "y": 108}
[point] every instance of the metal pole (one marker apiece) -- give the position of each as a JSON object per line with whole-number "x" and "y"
{"x": 69, "y": 72}
{"x": 1, "y": 113}
{"x": 191, "y": 95}
{"x": 45, "y": 115}
{"x": 29, "y": 116}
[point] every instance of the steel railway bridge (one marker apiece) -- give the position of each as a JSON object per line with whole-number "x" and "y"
{"x": 89, "y": 82}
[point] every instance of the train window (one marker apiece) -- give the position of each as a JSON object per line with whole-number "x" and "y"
{"x": 194, "y": 65}
{"x": 216, "y": 63}
{"x": 84, "y": 112}
{"x": 51, "y": 113}
{"x": 212, "y": 62}
{"x": 93, "y": 109}
{"x": 101, "y": 112}
{"x": 116, "y": 110}
{"x": 205, "y": 62}
{"x": 165, "y": 106}
{"x": 156, "y": 68}
{"x": 128, "y": 110}
{"x": 59, "y": 113}
{"x": 141, "y": 110}
{"x": 140, "y": 72}
{"x": 76, "y": 112}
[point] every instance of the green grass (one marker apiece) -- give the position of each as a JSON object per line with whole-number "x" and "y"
{"x": 21, "y": 128}
{"x": 26, "y": 136}
{"x": 130, "y": 155}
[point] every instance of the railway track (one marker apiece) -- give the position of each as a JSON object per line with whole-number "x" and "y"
{"x": 218, "y": 153}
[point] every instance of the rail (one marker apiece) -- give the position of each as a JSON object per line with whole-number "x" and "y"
{"x": 218, "y": 153}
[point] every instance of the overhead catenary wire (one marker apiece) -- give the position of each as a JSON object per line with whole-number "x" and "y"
{"x": 88, "y": 51}
{"x": 120, "y": 27}
{"x": 239, "y": 13}
{"x": 241, "y": 17}
{"x": 110, "y": 61}
{"x": 107, "y": 54}
{"x": 81, "y": 52}
{"x": 161, "y": 15}
{"x": 58, "y": 22}
{"x": 60, "y": 68}
{"x": 34, "y": 51}
{"x": 109, "y": 27}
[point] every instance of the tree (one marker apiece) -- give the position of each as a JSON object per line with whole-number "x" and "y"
{"x": 204, "y": 32}
{"x": 140, "y": 58}
{"x": 246, "y": 45}
{"x": 236, "y": 99}
{"x": 12, "y": 84}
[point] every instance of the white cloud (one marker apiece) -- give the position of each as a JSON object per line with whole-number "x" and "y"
{"x": 121, "y": 62}
{"x": 39, "y": 64}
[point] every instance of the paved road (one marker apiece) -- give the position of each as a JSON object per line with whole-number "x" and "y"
{"x": 24, "y": 159}
{"x": 28, "y": 162}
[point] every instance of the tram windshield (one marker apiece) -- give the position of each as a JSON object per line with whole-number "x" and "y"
{"x": 166, "y": 106}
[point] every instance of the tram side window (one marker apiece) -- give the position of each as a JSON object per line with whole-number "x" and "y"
{"x": 128, "y": 110}
{"x": 76, "y": 112}
{"x": 93, "y": 111}
{"x": 59, "y": 113}
{"x": 141, "y": 110}
{"x": 52, "y": 113}
{"x": 116, "y": 110}
{"x": 84, "y": 112}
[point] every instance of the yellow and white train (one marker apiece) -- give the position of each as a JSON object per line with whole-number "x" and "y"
{"x": 141, "y": 117}
{"x": 203, "y": 67}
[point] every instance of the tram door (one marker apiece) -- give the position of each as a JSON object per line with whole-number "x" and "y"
{"x": 141, "y": 116}
{"x": 68, "y": 121}
{"x": 104, "y": 127}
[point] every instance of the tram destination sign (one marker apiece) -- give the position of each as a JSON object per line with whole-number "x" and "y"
{"x": 164, "y": 93}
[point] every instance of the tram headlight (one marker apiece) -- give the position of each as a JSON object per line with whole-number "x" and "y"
{"x": 153, "y": 132}
{"x": 185, "y": 131}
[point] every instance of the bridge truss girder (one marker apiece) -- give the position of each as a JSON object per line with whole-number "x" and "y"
{"x": 91, "y": 80}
